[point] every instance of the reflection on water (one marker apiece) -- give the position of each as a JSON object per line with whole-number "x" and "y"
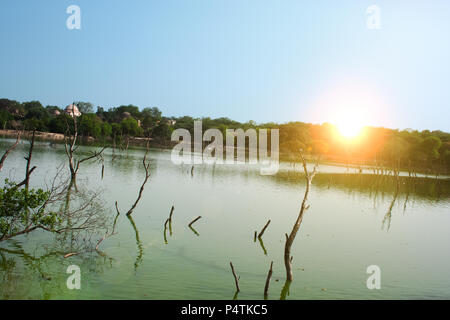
{"x": 140, "y": 249}
{"x": 355, "y": 220}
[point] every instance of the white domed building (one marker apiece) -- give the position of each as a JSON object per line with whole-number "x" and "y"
{"x": 72, "y": 110}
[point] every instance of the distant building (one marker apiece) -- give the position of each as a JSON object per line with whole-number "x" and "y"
{"x": 72, "y": 110}
{"x": 126, "y": 115}
{"x": 56, "y": 112}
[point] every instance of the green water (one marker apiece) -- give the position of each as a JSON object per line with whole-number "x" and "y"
{"x": 354, "y": 221}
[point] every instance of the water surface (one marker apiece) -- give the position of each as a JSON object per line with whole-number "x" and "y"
{"x": 355, "y": 220}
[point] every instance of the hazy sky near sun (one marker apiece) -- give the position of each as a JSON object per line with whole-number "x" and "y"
{"x": 311, "y": 61}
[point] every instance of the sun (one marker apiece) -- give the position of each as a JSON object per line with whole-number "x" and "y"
{"x": 349, "y": 129}
{"x": 351, "y": 105}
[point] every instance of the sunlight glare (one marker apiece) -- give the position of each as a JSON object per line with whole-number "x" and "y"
{"x": 349, "y": 129}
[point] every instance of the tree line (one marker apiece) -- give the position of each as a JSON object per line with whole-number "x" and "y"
{"x": 406, "y": 149}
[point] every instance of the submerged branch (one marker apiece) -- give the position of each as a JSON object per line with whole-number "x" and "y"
{"x": 263, "y": 229}
{"x": 236, "y": 279}
{"x": 193, "y": 221}
{"x": 269, "y": 275}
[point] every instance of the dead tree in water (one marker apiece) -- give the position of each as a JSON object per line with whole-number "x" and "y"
{"x": 113, "y": 232}
{"x": 70, "y": 147}
{"x": 269, "y": 275}
{"x": 5, "y": 155}
{"x": 290, "y": 238}
{"x": 193, "y": 221}
{"x": 147, "y": 175}
{"x": 236, "y": 278}
{"x": 168, "y": 221}
{"x": 191, "y": 227}
{"x": 28, "y": 171}
{"x": 263, "y": 229}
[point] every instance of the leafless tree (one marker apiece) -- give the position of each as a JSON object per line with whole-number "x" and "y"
{"x": 87, "y": 215}
{"x": 70, "y": 141}
{"x": 25, "y": 182}
{"x": 236, "y": 278}
{"x": 11, "y": 148}
{"x": 28, "y": 171}
{"x": 147, "y": 175}
{"x": 291, "y": 237}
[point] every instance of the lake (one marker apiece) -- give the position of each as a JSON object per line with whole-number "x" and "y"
{"x": 355, "y": 221}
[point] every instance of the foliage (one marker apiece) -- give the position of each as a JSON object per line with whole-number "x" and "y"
{"x": 130, "y": 127}
{"x": 407, "y": 148}
{"x": 23, "y": 209}
{"x": 84, "y": 107}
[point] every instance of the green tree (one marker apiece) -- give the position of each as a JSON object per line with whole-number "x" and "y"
{"x": 5, "y": 118}
{"x": 59, "y": 123}
{"x": 106, "y": 129}
{"x": 35, "y": 110}
{"x": 430, "y": 146}
{"x": 90, "y": 125}
{"x": 34, "y": 124}
{"x": 130, "y": 127}
{"x": 162, "y": 131}
{"x": 85, "y": 107}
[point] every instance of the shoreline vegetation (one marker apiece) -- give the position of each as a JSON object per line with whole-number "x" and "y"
{"x": 139, "y": 142}
{"x": 376, "y": 148}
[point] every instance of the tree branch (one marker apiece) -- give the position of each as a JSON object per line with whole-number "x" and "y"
{"x": 5, "y": 155}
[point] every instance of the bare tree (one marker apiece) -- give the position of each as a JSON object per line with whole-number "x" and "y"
{"x": 11, "y": 148}
{"x": 147, "y": 175}
{"x": 28, "y": 171}
{"x": 290, "y": 238}
{"x": 236, "y": 278}
{"x": 40, "y": 211}
{"x": 71, "y": 147}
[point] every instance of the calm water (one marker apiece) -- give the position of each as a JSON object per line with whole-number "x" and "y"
{"x": 348, "y": 228}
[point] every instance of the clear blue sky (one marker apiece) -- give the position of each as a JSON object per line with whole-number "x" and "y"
{"x": 244, "y": 59}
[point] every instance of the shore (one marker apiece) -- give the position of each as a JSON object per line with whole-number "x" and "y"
{"x": 286, "y": 157}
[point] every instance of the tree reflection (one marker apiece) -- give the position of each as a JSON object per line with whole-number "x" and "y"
{"x": 41, "y": 269}
{"x": 140, "y": 248}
